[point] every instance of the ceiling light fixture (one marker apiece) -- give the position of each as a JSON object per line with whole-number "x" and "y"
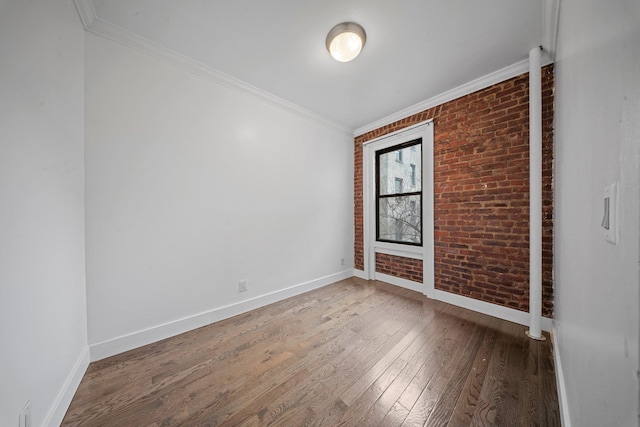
{"x": 345, "y": 41}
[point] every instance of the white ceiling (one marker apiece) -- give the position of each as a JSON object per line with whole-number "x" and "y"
{"x": 415, "y": 49}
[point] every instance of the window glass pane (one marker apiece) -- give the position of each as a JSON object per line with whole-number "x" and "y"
{"x": 407, "y": 171}
{"x": 398, "y": 185}
{"x": 399, "y": 219}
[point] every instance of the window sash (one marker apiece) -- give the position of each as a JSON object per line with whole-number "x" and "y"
{"x": 402, "y": 226}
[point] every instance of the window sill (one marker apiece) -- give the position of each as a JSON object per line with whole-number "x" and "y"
{"x": 406, "y": 251}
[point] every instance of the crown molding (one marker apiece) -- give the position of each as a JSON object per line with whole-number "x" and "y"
{"x": 462, "y": 90}
{"x": 107, "y": 30}
{"x": 550, "y": 19}
{"x": 87, "y": 12}
{"x": 99, "y": 27}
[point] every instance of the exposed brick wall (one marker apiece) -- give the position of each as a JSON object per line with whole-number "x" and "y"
{"x": 406, "y": 268}
{"x": 481, "y": 194}
{"x": 358, "y": 213}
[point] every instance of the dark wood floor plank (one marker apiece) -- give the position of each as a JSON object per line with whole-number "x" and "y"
{"x": 346, "y": 366}
{"x": 528, "y": 393}
{"x": 385, "y": 372}
{"x": 371, "y": 375}
{"x": 548, "y": 405}
{"x": 514, "y": 374}
{"x": 255, "y": 383}
{"x": 242, "y": 400}
{"x": 417, "y": 394}
{"x": 497, "y": 396}
{"x": 468, "y": 399}
{"x": 447, "y": 380}
{"x": 451, "y": 383}
{"x": 395, "y": 417}
{"x": 440, "y": 325}
{"x": 359, "y": 408}
{"x": 350, "y": 366}
{"x": 355, "y": 353}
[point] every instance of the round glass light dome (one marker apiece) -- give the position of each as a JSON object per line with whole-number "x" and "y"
{"x": 345, "y": 41}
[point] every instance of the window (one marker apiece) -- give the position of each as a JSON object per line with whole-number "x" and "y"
{"x": 391, "y": 223}
{"x": 399, "y": 156}
{"x": 398, "y": 229}
{"x": 399, "y": 212}
{"x": 398, "y": 185}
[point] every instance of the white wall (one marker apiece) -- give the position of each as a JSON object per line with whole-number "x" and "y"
{"x": 597, "y": 142}
{"x": 193, "y": 186}
{"x": 43, "y": 335}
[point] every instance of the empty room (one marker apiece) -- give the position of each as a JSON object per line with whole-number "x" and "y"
{"x": 336, "y": 213}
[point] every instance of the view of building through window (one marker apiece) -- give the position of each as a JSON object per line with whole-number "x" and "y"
{"x": 399, "y": 193}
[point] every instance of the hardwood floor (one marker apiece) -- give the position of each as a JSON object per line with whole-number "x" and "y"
{"x": 354, "y": 353}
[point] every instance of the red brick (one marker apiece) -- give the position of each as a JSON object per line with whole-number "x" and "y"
{"x": 481, "y": 200}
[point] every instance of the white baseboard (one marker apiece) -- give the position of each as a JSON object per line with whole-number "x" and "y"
{"x": 505, "y": 313}
{"x": 565, "y": 421}
{"x": 360, "y": 274}
{"x": 68, "y": 390}
{"x": 403, "y": 283}
{"x": 137, "y": 339}
{"x": 150, "y": 335}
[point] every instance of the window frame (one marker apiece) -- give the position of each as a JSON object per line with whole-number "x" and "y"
{"x": 371, "y": 247}
{"x": 378, "y": 197}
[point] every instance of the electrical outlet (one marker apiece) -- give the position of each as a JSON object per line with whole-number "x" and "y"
{"x": 342, "y": 262}
{"x": 25, "y": 415}
{"x": 243, "y": 285}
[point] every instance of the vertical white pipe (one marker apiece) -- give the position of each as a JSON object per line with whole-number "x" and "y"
{"x": 535, "y": 194}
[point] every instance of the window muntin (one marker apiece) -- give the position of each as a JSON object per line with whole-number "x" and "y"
{"x": 399, "y": 206}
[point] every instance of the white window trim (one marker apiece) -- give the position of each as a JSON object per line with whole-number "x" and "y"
{"x": 383, "y": 248}
{"x": 422, "y": 130}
